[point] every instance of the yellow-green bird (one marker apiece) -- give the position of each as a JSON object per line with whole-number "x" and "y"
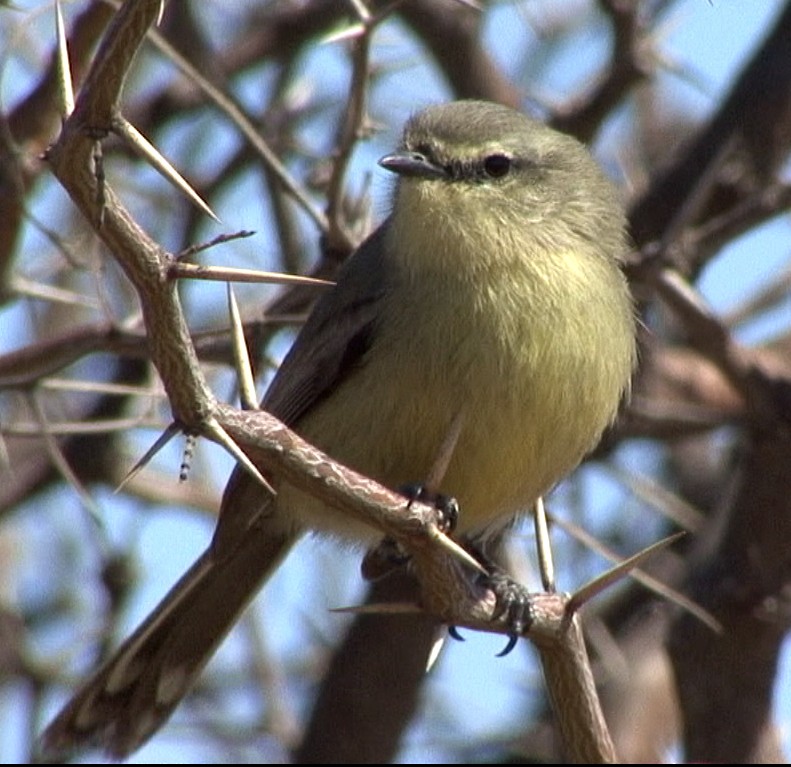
{"x": 491, "y": 304}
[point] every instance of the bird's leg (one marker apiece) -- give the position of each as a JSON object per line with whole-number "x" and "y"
{"x": 513, "y": 600}
{"x": 387, "y": 555}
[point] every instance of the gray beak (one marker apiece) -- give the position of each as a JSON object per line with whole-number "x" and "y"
{"x": 412, "y": 165}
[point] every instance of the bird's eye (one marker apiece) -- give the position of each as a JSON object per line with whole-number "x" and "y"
{"x": 424, "y": 150}
{"x": 497, "y": 165}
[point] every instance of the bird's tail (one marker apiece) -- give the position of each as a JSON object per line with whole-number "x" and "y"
{"x": 136, "y": 690}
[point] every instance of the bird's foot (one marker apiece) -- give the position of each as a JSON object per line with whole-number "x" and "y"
{"x": 446, "y": 505}
{"x": 513, "y": 603}
{"x": 388, "y": 555}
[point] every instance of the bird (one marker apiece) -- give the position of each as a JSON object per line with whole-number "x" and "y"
{"x": 491, "y": 300}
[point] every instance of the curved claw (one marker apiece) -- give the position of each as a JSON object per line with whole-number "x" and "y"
{"x": 454, "y": 634}
{"x": 512, "y": 640}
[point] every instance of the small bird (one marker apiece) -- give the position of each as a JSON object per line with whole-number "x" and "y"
{"x": 490, "y": 302}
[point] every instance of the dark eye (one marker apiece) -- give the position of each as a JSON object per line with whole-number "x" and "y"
{"x": 497, "y": 165}
{"x": 424, "y": 150}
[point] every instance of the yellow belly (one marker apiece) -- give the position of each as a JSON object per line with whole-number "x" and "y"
{"x": 531, "y": 399}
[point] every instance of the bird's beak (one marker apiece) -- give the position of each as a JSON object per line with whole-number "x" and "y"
{"x": 413, "y": 165}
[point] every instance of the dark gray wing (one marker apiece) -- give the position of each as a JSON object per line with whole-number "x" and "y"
{"x": 336, "y": 335}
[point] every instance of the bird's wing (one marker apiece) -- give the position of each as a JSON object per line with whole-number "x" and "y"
{"x": 335, "y": 337}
